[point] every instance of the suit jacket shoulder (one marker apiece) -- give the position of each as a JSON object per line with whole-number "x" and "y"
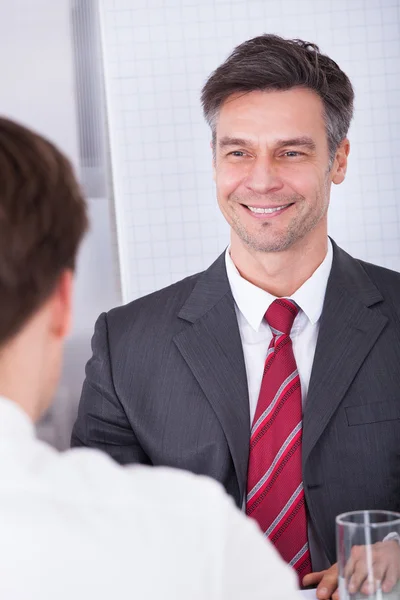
{"x": 387, "y": 282}
{"x": 151, "y": 313}
{"x": 157, "y": 313}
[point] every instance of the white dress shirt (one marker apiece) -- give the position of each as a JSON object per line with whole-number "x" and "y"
{"x": 77, "y": 526}
{"x": 251, "y": 304}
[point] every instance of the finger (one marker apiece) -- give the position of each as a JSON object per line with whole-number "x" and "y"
{"x": 328, "y": 584}
{"x": 373, "y": 582}
{"x": 313, "y": 578}
{"x": 336, "y": 595}
{"x": 357, "y": 553}
{"x": 390, "y": 579}
{"x": 370, "y": 587}
{"x": 349, "y": 569}
{"x": 358, "y": 577}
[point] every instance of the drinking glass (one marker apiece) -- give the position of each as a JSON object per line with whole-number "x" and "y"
{"x": 368, "y": 553}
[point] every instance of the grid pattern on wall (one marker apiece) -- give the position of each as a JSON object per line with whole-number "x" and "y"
{"x": 158, "y": 54}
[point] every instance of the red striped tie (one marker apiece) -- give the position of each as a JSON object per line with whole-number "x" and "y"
{"x": 275, "y": 495}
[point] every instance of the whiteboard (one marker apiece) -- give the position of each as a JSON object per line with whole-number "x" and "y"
{"x": 157, "y": 56}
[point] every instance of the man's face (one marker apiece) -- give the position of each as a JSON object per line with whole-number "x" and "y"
{"x": 272, "y": 167}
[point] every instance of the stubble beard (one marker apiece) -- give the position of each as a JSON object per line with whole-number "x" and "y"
{"x": 299, "y": 226}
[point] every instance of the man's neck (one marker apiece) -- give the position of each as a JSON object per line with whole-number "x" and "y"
{"x": 279, "y": 273}
{"x": 19, "y": 380}
{"x": 12, "y": 392}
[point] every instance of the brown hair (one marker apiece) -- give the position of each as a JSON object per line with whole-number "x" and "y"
{"x": 269, "y": 62}
{"x": 42, "y": 221}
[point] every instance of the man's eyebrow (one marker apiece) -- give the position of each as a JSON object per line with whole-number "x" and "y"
{"x": 233, "y": 141}
{"x": 304, "y": 141}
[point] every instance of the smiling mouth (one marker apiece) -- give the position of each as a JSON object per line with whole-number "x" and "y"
{"x": 267, "y": 211}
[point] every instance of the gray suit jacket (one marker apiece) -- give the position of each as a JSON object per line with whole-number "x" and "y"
{"x": 167, "y": 386}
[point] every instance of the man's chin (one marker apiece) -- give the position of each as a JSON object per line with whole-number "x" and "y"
{"x": 278, "y": 244}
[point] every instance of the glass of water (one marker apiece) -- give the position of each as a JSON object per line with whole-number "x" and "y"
{"x": 368, "y": 553}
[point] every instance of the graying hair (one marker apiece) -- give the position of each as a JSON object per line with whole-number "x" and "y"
{"x": 269, "y": 62}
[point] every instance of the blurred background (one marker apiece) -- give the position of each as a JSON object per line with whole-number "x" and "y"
{"x": 116, "y": 84}
{"x": 52, "y": 81}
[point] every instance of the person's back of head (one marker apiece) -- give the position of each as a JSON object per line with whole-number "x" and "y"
{"x": 42, "y": 221}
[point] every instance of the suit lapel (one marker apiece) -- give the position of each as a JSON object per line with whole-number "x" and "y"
{"x": 212, "y": 348}
{"x": 348, "y": 332}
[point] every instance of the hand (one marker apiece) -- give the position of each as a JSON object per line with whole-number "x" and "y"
{"x": 327, "y": 582}
{"x": 385, "y": 559}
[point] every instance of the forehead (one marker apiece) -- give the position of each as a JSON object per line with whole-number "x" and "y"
{"x": 272, "y": 114}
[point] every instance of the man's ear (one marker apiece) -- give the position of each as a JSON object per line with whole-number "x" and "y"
{"x": 339, "y": 168}
{"x": 61, "y": 304}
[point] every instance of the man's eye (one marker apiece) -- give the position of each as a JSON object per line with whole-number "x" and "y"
{"x": 237, "y": 153}
{"x": 293, "y": 153}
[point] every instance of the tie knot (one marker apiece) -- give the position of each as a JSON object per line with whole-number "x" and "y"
{"x": 281, "y": 315}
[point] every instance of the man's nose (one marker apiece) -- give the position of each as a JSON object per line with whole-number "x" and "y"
{"x": 263, "y": 177}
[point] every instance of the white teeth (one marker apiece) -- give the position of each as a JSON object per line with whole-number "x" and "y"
{"x": 266, "y": 210}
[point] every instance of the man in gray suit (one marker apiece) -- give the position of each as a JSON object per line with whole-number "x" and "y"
{"x": 208, "y": 374}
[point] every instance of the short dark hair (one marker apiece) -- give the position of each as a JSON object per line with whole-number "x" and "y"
{"x": 43, "y": 217}
{"x": 270, "y": 62}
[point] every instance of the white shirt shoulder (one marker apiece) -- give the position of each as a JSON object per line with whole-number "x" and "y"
{"x": 76, "y": 525}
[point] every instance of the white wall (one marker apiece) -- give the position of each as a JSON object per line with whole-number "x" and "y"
{"x": 37, "y": 89}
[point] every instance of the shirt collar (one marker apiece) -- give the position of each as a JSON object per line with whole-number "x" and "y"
{"x": 253, "y": 302}
{"x": 14, "y": 422}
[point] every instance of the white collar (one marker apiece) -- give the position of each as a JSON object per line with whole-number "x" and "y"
{"x": 253, "y": 302}
{"x": 14, "y": 422}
